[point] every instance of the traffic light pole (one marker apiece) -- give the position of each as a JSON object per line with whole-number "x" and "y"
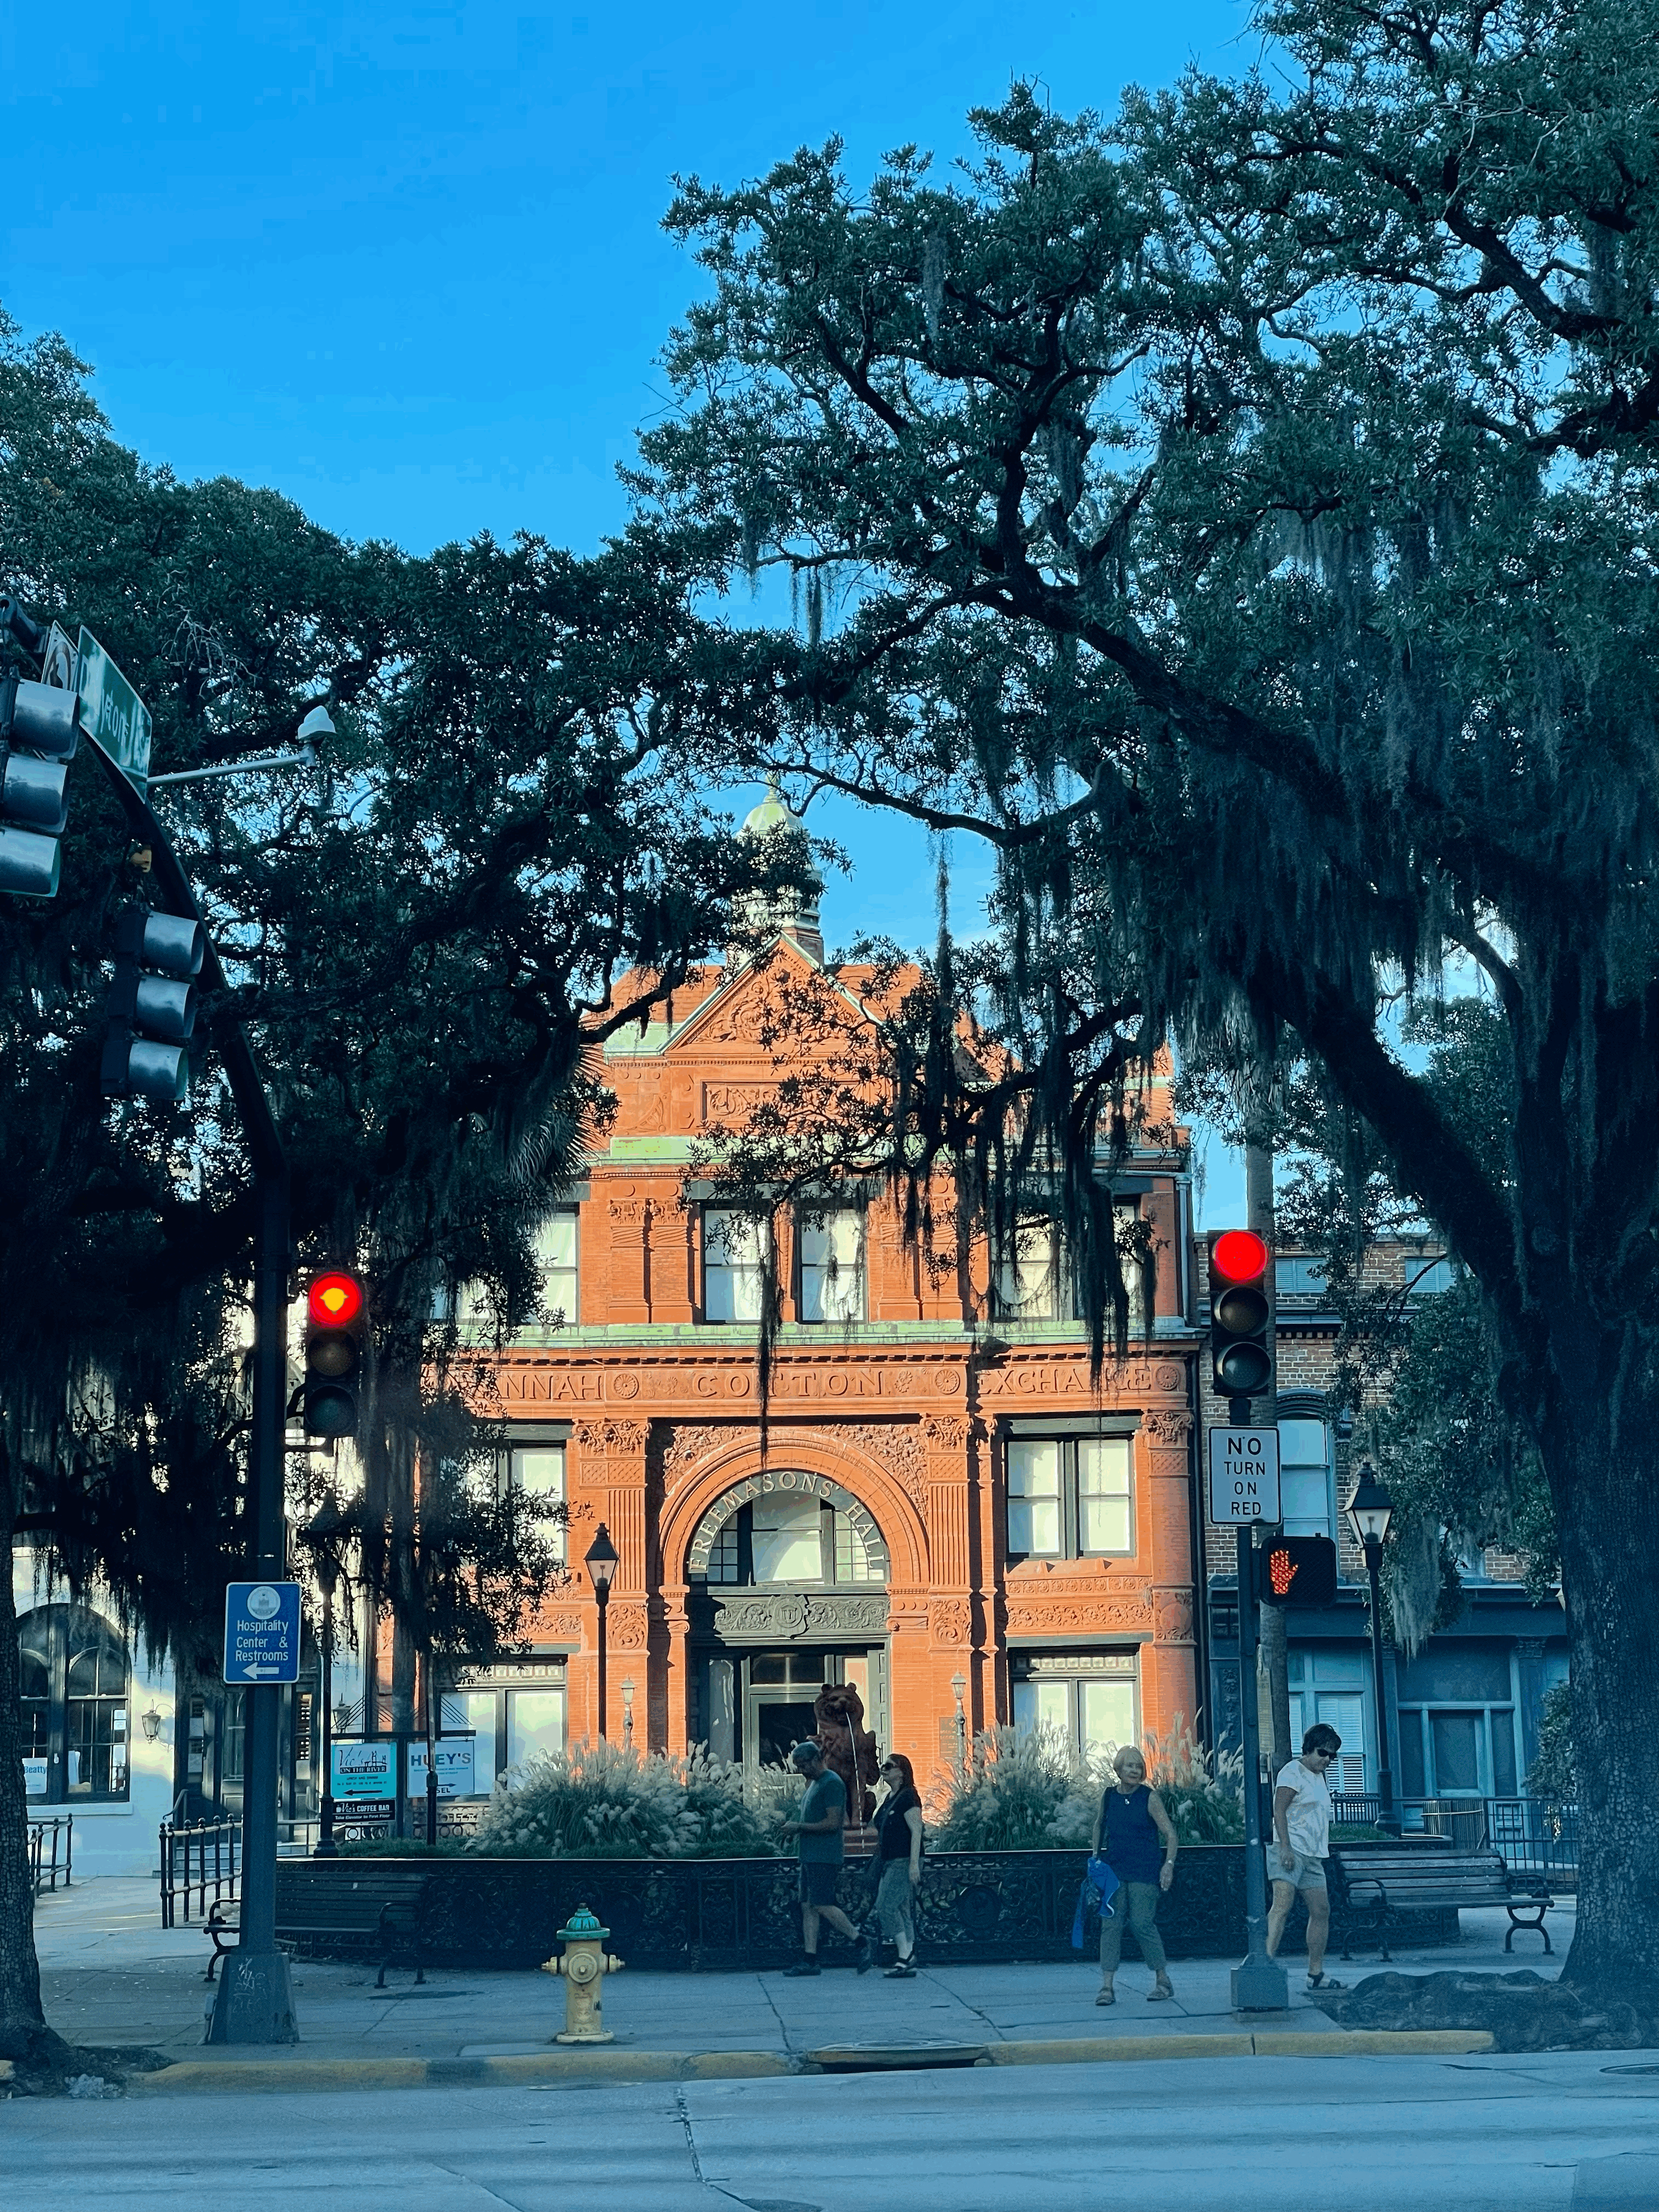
{"x": 1259, "y": 1982}
{"x": 255, "y": 2000}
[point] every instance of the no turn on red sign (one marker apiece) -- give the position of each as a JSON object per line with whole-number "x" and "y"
{"x": 1243, "y": 1476}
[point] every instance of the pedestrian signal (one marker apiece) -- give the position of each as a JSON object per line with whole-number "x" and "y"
{"x": 1299, "y": 1571}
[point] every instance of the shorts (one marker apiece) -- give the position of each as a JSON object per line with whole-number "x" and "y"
{"x": 819, "y": 1879}
{"x": 1307, "y": 1873}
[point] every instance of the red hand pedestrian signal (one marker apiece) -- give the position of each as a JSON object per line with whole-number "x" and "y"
{"x": 1299, "y": 1570}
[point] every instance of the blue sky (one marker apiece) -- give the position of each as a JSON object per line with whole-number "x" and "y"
{"x": 405, "y": 263}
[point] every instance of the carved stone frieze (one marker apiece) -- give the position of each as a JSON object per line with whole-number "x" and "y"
{"x": 893, "y": 1445}
{"x": 790, "y": 1614}
{"x": 1169, "y": 1427}
{"x": 1172, "y": 1616}
{"x": 950, "y": 1619}
{"x": 625, "y": 1437}
{"x": 688, "y": 1442}
{"x": 627, "y": 1627}
{"x": 1059, "y": 1617}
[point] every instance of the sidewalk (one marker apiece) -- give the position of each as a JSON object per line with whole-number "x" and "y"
{"x": 112, "y": 1975}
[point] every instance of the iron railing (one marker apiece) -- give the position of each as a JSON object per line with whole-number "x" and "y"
{"x": 200, "y": 1866}
{"x": 47, "y": 1832}
{"x": 1533, "y": 1836}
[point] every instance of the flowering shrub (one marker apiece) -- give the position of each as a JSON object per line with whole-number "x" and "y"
{"x": 1034, "y": 1789}
{"x": 602, "y": 1802}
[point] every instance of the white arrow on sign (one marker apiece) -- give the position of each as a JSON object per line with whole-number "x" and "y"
{"x": 254, "y": 1674}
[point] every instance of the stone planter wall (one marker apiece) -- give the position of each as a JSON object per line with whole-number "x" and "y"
{"x": 721, "y": 1915}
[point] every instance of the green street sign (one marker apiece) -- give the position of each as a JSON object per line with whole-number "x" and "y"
{"x": 112, "y": 714}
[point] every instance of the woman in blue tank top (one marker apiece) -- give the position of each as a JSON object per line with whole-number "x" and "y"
{"x": 1135, "y": 1837}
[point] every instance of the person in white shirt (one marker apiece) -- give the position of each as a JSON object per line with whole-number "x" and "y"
{"x": 1301, "y": 1838}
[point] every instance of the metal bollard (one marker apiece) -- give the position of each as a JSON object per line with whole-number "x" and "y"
{"x": 584, "y": 1965}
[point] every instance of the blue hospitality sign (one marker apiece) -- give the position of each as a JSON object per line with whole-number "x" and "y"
{"x": 262, "y": 1633}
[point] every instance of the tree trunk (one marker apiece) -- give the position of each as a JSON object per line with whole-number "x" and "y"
{"x": 23, "y": 2031}
{"x": 1600, "y": 1441}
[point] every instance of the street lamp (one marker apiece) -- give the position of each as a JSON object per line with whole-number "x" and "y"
{"x": 323, "y": 1532}
{"x": 628, "y": 1713}
{"x": 1371, "y": 1510}
{"x": 958, "y": 1687}
{"x": 601, "y": 1564}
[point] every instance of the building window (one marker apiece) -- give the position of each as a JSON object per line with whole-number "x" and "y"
{"x": 1304, "y": 1459}
{"x": 556, "y": 1248}
{"x": 536, "y": 1470}
{"x": 535, "y": 1723}
{"x": 1086, "y": 1700}
{"x": 831, "y": 1246}
{"x": 1427, "y": 1279}
{"x": 1028, "y": 1274}
{"x": 1457, "y": 1736}
{"x": 1070, "y": 1498}
{"x": 75, "y": 1704}
{"x": 1298, "y": 1275}
{"x": 1330, "y": 1686}
{"x": 734, "y": 1257}
{"x": 780, "y": 1541}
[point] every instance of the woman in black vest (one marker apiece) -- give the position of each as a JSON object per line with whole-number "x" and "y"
{"x": 1135, "y": 1837}
{"x": 898, "y": 1854}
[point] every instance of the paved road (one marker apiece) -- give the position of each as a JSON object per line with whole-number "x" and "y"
{"x": 1554, "y": 2134}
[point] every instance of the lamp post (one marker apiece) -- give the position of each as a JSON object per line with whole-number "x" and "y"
{"x": 1371, "y": 1510}
{"x": 328, "y": 1575}
{"x": 601, "y": 1564}
{"x": 628, "y": 1713}
{"x": 958, "y": 1687}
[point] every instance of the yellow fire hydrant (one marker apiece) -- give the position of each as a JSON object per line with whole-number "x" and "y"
{"x": 584, "y": 1965}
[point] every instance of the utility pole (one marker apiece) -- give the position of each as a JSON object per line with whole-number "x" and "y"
{"x": 1275, "y": 1656}
{"x": 255, "y": 1999}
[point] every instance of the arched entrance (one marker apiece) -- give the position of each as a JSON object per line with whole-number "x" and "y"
{"x": 787, "y": 1573}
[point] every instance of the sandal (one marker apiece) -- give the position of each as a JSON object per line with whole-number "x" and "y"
{"x": 1324, "y": 1981}
{"x": 1159, "y": 1996}
{"x": 1106, "y": 1997}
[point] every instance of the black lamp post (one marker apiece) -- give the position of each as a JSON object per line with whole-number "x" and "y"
{"x": 601, "y": 1564}
{"x": 1371, "y": 1510}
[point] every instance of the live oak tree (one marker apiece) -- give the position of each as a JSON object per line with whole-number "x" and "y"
{"x": 423, "y": 938}
{"x": 1242, "y": 514}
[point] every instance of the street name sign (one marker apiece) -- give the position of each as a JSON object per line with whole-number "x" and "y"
{"x": 262, "y": 1633}
{"x": 112, "y": 714}
{"x": 1243, "y": 1476}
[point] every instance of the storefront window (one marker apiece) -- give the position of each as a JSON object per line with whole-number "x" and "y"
{"x": 535, "y": 1724}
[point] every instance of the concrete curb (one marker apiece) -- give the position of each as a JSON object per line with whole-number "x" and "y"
{"x": 259, "y": 2075}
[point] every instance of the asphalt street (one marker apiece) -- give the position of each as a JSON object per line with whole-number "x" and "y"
{"x": 1575, "y": 2132}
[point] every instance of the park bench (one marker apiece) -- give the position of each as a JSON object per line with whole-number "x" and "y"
{"x": 1372, "y": 1887}
{"x": 384, "y": 1907}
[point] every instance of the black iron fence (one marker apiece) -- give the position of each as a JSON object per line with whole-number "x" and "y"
{"x": 201, "y": 1867}
{"x": 52, "y": 1849}
{"x": 1534, "y": 1837}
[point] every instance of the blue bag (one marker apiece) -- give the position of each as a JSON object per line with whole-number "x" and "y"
{"x": 1098, "y": 1887}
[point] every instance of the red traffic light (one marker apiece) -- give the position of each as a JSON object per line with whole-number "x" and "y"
{"x": 334, "y": 1300}
{"x": 1239, "y": 1255}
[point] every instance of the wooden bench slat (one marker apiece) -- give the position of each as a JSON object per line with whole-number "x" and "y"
{"x": 1382, "y": 1883}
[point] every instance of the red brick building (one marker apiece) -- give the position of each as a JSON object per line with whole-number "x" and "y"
{"x": 946, "y": 1510}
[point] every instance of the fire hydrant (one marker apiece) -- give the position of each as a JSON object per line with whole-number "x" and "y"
{"x": 584, "y": 1965}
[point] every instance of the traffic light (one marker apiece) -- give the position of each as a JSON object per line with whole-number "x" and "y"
{"x": 1240, "y": 1310}
{"x": 151, "y": 1007}
{"x": 39, "y": 730}
{"x": 337, "y": 1335}
{"x": 1299, "y": 1571}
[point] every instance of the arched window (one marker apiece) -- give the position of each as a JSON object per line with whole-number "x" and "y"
{"x": 781, "y": 1538}
{"x": 76, "y": 1705}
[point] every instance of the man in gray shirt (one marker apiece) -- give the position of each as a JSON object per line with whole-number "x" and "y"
{"x": 820, "y": 1829}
